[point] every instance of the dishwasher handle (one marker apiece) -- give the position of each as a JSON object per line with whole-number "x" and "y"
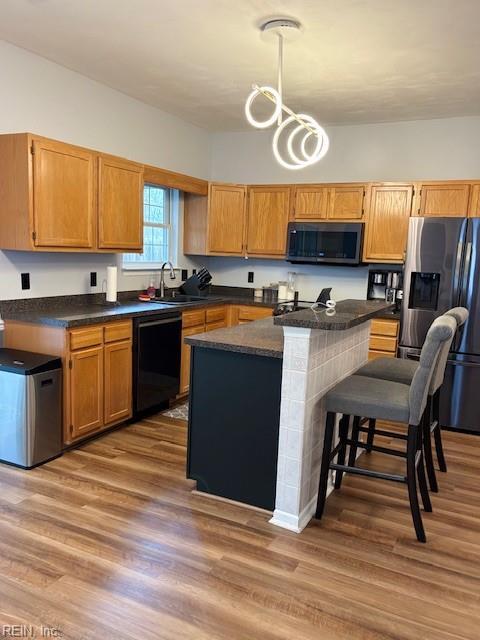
{"x": 154, "y": 323}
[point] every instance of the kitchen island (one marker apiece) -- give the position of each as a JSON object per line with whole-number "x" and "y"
{"x": 257, "y": 412}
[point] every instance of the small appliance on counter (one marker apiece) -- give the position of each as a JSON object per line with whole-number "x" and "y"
{"x": 386, "y": 285}
{"x": 30, "y": 408}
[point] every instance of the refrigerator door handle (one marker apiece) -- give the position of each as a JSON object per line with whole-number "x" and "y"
{"x": 466, "y": 273}
{"x": 458, "y": 270}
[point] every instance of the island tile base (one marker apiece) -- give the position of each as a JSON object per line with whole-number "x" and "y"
{"x": 314, "y": 361}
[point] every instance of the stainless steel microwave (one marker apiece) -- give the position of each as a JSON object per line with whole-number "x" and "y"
{"x": 325, "y": 242}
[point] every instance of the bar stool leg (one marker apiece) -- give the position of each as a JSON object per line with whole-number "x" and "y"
{"x": 343, "y": 434}
{"x": 422, "y": 478}
{"x": 427, "y": 446}
{"x": 352, "y": 456}
{"x": 412, "y": 446}
{"x": 371, "y": 434}
{"x": 327, "y": 449}
{"x": 438, "y": 432}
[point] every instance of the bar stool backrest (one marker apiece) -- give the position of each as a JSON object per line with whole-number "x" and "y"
{"x": 460, "y": 314}
{"x": 442, "y": 330}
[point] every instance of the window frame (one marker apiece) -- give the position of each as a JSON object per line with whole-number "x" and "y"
{"x": 170, "y": 200}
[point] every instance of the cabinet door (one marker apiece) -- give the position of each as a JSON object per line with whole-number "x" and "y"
{"x": 120, "y": 203}
{"x": 185, "y": 361}
{"x": 63, "y": 195}
{"x": 444, "y": 199}
{"x": 86, "y": 391}
{"x": 268, "y": 215}
{"x": 389, "y": 211}
{"x": 118, "y": 381}
{"x": 474, "y": 206}
{"x": 310, "y": 202}
{"x": 226, "y": 219}
{"x": 346, "y": 202}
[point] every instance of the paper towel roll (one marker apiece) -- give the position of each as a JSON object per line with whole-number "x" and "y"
{"x": 111, "y": 284}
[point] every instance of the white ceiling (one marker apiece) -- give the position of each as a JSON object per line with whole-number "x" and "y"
{"x": 358, "y": 61}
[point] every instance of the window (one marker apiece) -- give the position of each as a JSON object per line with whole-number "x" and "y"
{"x": 158, "y": 205}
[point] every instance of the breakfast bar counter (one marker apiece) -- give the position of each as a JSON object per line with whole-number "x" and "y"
{"x": 256, "y": 409}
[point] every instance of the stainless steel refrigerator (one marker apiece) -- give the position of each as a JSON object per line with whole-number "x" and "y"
{"x": 442, "y": 270}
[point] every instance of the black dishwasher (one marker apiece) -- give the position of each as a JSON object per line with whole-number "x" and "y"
{"x": 156, "y": 361}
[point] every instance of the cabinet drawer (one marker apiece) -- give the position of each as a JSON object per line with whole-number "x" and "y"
{"x": 373, "y": 355}
{"x": 86, "y": 337}
{"x": 383, "y": 327}
{"x": 246, "y": 313}
{"x": 193, "y": 318}
{"x": 215, "y": 314}
{"x": 118, "y": 331}
{"x": 211, "y": 326}
{"x": 382, "y": 343}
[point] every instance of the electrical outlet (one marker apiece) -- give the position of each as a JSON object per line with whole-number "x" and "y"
{"x": 25, "y": 280}
{"x": 184, "y": 274}
{"x": 93, "y": 278}
{"x": 250, "y": 276}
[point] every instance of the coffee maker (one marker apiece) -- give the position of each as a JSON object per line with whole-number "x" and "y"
{"x": 386, "y": 285}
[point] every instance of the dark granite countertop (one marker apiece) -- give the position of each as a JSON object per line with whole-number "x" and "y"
{"x": 260, "y": 338}
{"x": 76, "y": 311}
{"x": 347, "y": 314}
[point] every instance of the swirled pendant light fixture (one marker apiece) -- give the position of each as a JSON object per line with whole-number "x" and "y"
{"x": 299, "y": 141}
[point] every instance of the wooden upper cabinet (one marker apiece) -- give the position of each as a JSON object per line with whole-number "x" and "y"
{"x": 268, "y": 215}
{"x": 474, "y": 205}
{"x": 60, "y": 197}
{"x": 329, "y": 202}
{"x": 226, "y": 219}
{"x": 345, "y": 202}
{"x": 120, "y": 203}
{"x": 447, "y": 199}
{"x": 63, "y": 195}
{"x": 310, "y": 202}
{"x": 388, "y": 212}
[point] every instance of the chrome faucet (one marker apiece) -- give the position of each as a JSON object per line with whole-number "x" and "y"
{"x": 162, "y": 276}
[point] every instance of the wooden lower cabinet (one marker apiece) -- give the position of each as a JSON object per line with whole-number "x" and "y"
{"x": 240, "y": 314}
{"x": 383, "y": 338}
{"x": 86, "y": 391}
{"x": 210, "y": 319}
{"x": 118, "y": 384}
{"x": 97, "y": 371}
{"x": 185, "y": 361}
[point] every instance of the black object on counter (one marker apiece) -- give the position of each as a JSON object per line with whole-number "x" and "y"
{"x": 196, "y": 283}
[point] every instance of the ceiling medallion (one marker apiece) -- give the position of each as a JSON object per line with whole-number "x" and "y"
{"x": 299, "y": 141}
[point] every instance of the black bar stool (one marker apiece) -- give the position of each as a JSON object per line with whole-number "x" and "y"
{"x": 385, "y": 400}
{"x": 398, "y": 370}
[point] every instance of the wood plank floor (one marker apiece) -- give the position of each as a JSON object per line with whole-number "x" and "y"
{"x": 108, "y": 542}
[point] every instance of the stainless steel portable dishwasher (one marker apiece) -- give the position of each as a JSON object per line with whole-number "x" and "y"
{"x": 30, "y": 407}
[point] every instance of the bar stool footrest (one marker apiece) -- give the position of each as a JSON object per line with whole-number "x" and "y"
{"x": 359, "y": 471}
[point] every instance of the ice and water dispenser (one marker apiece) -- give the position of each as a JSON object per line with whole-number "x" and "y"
{"x": 424, "y": 290}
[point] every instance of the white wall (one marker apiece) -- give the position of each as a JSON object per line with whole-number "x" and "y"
{"x": 45, "y": 98}
{"x": 347, "y": 282}
{"x": 425, "y": 149}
